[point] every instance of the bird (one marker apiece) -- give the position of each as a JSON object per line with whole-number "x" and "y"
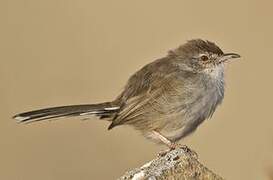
{"x": 166, "y": 100}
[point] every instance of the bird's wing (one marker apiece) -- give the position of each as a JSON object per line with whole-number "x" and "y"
{"x": 150, "y": 90}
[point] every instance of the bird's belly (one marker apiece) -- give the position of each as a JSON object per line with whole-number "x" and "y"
{"x": 191, "y": 116}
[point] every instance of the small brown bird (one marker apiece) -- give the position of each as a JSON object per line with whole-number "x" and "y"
{"x": 166, "y": 100}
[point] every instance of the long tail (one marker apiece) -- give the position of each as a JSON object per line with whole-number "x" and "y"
{"x": 103, "y": 110}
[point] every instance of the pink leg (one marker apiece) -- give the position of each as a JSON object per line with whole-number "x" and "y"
{"x": 165, "y": 140}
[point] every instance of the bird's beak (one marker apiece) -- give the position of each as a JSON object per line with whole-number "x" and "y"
{"x": 228, "y": 56}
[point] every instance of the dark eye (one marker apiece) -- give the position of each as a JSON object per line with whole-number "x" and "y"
{"x": 204, "y": 58}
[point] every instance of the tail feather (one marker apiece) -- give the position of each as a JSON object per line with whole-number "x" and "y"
{"x": 101, "y": 109}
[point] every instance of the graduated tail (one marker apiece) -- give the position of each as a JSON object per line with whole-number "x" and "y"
{"x": 103, "y": 110}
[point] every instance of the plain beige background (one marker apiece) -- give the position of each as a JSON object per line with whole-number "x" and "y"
{"x": 55, "y": 52}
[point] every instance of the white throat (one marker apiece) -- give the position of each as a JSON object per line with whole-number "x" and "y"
{"x": 216, "y": 73}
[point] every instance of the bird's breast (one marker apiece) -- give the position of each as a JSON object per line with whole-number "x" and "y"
{"x": 202, "y": 99}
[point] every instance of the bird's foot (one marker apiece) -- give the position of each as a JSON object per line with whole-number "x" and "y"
{"x": 171, "y": 146}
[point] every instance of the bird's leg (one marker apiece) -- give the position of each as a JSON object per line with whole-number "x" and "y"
{"x": 163, "y": 139}
{"x": 166, "y": 141}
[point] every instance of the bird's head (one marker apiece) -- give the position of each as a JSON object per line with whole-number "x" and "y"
{"x": 202, "y": 56}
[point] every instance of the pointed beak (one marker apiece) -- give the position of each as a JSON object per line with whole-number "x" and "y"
{"x": 228, "y": 56}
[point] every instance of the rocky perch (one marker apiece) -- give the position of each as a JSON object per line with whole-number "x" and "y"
{"x": 181, "y": 163}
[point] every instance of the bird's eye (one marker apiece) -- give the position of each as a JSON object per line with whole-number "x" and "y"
{"x": 204, "y": 58}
